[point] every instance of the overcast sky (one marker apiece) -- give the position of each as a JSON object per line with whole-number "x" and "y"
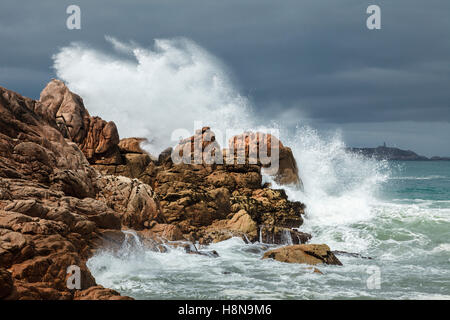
{"x": 313, "y": 59}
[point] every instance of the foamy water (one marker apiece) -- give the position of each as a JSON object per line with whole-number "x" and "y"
{"x": 398, "y": 214}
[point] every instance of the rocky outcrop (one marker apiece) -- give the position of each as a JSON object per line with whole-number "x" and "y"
{"x": 205, "y": 197}
{"x": 304, "y": 253}
{"x": 50, "y": 218}
{"x": 202, "y": 200}
{"x": 68, "y": 187}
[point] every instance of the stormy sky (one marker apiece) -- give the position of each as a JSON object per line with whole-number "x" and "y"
{"x": 313, "y": 60}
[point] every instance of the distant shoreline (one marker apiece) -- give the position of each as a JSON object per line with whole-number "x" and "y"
{"x": 394, "y": 154}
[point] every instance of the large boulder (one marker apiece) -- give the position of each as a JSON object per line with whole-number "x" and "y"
{"x": 97, "y": 138}
{"x": 49, "y": 218}
{"x": 304, "y": 253}
{"x": 135, "y": 201}
{"x": 264, "y": 148}
{"x": 201, "y": 148}
{"x": 32, "y": 147}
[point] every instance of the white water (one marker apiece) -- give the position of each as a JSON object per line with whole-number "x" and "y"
{"x": 152, "y": 92}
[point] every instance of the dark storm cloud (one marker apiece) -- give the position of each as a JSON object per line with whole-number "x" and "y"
{"x": 314, "y": 59}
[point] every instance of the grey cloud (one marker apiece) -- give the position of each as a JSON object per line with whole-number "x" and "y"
{"x": 309, "y": 58}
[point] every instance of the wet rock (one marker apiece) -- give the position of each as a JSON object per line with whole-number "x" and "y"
{"x": 304, "y": 253}
{"x": 167, "y": 232}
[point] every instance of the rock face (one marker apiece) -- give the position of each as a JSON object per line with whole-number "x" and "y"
{"x": 210, "y": 200}
{"x": 304, "y": 253}
{"x": 50, "y": 217}
{"x": 135, "y": 200}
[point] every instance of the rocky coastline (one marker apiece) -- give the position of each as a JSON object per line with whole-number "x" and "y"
{"x": 70, "y": 186}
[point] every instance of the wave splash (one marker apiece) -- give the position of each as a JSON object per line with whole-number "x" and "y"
{"x": 176, "y": 83}
{"x": 151, "y": 92}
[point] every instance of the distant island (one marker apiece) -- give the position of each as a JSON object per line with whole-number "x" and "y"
{"x": 389, "y": 153}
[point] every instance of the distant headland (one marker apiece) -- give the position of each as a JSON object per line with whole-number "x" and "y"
{"x": 389, "y": 153}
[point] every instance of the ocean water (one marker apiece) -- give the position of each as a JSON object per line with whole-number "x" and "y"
{"x": 397, "y": 213}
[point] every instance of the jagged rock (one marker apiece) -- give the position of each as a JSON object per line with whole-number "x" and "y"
{"x": 48, "y": 217}
{"x": 101, "y": 142}
{"x": 194, "y": 150}
{"x": 66, "y": 108}
{"x": 97, "y": 138}
{"x": 304, "y": 253}
{"x": 248, "y": 146}
{"x": 31, "y": 147}
{"x": 135, "y": 201}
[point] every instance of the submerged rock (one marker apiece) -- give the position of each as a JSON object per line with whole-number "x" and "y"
{"x": 304, "y": 253}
